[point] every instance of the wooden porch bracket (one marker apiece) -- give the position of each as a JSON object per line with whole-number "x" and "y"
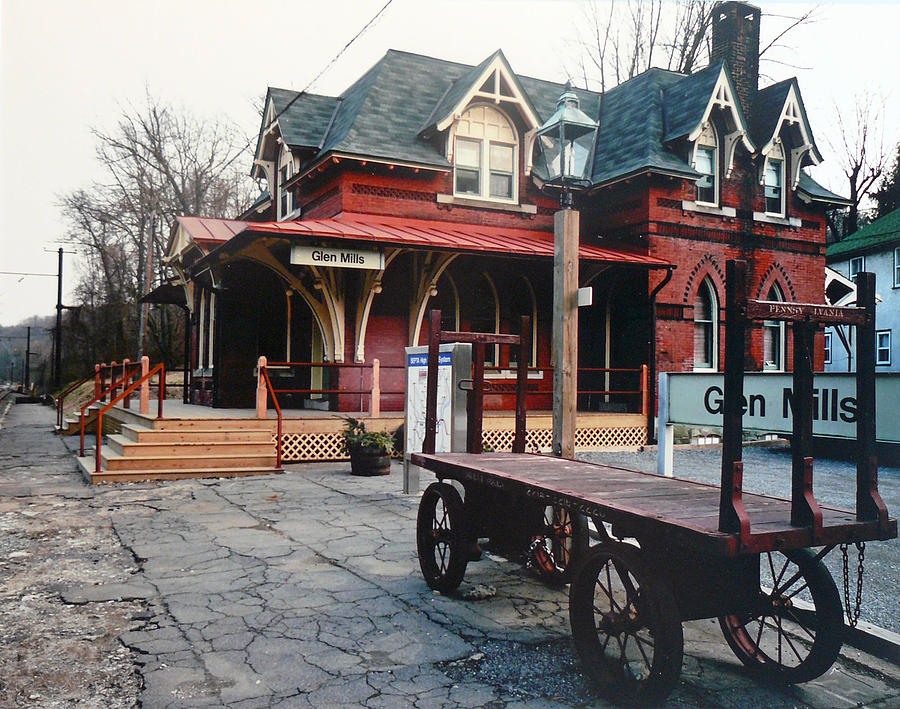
{"x": 371, "y": 286}
{"x": 430, "y": 272}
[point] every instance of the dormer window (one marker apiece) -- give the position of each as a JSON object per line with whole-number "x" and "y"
{"x": 285, "y": 172}
{"x": 706, "y": 162}
{"x": 773, "y": 181}
{"x": 706, "y": 166}
{"x": 484, "y": 155}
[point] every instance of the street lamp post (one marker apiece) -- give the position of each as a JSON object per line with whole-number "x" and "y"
{"x": 564, "y": 148}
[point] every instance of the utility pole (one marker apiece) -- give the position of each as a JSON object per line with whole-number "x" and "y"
{"x": 27, "y": 374}
{"x": 57, "y": 349}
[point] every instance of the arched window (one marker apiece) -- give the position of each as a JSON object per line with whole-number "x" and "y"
{"x": 519, "y": 300}
{"x": 773, "y": 336}
{"x": 706, "y": 322}
{"x": 485, "y": 155}
{"x": 447, "y": 301}
{"x": 706, "y": 162}
{"x": 484, "y": 314}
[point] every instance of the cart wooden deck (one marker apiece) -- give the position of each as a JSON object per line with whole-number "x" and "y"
{"x": 649, "y": 505}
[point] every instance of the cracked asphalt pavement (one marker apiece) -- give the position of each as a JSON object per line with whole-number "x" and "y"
{"x": 294, "y": 590}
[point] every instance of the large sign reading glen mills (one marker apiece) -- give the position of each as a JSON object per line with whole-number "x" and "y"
{"x": 768, "y": 403}
{"x": 337, "y": 257}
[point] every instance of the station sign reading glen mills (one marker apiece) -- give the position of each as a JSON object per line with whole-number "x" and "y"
{"x": 337, "y": 257}
{"x": 768, "y": 403}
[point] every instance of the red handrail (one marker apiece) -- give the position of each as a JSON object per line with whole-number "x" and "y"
{"x": 97, "y": 397}
{"x": 265, "y": 374}
{"x": 161, "y": 369}
{"x": 64, "y": 393}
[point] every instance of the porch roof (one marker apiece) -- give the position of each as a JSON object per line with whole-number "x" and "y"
{"x": 423, "y": 234}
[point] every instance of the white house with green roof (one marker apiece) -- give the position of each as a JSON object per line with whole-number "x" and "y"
{"x": 874, "y": 248}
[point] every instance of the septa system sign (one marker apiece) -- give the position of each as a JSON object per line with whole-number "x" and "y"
{"x": 335, "y": 257}
{"x": 768, "y": 403}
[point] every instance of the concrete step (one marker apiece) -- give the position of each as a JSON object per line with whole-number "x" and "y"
{"x": 176, "y": 449}
{"x": 113, "y": 462}
{"x": 141, "y": 434}
{"x": 86, "y": 464}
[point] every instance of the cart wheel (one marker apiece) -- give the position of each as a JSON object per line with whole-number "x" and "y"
{"x": 781, "y": 641}
{"x": 625, "y": 625}
{"x": 562, "y": 541}
{"x": 439, "y": 537}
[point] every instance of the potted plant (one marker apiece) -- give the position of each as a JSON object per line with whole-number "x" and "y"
{"x": 369, "y": 451}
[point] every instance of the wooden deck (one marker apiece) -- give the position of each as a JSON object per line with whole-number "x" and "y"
{"x": 681, "y": 511}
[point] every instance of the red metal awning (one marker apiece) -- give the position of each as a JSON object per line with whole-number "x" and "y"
{"x": 211, "y": 232}
{"x": 424, "y": 234}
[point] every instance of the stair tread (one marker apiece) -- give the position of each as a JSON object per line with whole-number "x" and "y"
{"x": 206, "y": 456}
{"x": 87, "y": 461}
{"x": 192, "y": 429}
{"x": 128, "y": 442}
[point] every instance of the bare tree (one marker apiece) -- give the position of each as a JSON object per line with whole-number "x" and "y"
{"x": 860, "y": 150}
{"x": 620, "y": 39}
{"x": 157, "y": 163}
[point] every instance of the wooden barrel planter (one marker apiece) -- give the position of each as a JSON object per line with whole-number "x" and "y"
{"x": 370, "y": 461}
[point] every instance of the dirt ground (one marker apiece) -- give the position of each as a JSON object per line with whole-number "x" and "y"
{"x": 54, "y": 653}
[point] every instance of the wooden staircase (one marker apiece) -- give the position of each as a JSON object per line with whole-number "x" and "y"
{"x": 170, "y": 449}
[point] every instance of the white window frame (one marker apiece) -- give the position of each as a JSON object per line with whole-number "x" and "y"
{"x": 484, "y": 168}
{"x": 770, "y": 161}
{"x": 861, "y": 260}
{"x": 879, "y": 348}
{"x": 284, "y": 172}
{"x": 776, "y": 328}
{"x": 897, "y": 267}
{"x": 711, "y": 366}
{"x": 827, "y": 346}
{"x": 708, "y": 141}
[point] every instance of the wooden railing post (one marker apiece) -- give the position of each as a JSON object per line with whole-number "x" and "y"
{"x": 126, "y": 403}
{"x": 261, "y": 393}
{"x": 645, "y": 390}
{"x": 375, "y": 402}
{"x": 97, "y": 387}
{"x": 145, "y": 386}
{"x": 112, "y": 379}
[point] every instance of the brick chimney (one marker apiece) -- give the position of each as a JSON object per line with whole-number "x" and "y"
{"x": 735, "y": 38}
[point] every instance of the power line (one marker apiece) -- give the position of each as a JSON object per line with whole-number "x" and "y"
{"x": 332, "y": 62}
{"x": 23, "y": 273}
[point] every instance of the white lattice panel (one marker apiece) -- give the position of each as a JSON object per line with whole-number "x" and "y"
{"x": 327, "y": 446}
{"x": 311, "y": 446}
{"x": 586, "y": 439}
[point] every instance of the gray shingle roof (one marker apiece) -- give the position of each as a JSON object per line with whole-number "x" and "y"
{"x": 685, "y": 101}
{"x": 383, "y": 114}
{"x": 817, "y": 193}
{"x": 630, "y": 138}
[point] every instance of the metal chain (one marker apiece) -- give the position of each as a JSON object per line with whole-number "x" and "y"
{"x": 853, "y": 616}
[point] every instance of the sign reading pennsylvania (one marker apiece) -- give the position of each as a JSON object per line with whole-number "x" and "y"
{"x": 337, "y": 257}
{"x": 768, "y": 403}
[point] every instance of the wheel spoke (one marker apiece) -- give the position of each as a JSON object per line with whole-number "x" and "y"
{"x": 791, "y": 645}
{"x": 776, "y": 581}
{"x": 640, "y": 648}
{"x": 794, "y": 593}
{"x": 799, "y": 622}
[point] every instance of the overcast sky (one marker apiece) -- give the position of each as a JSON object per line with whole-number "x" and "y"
{"x": 68, "y": 66}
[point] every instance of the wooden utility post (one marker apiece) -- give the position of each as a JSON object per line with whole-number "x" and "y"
{"x": 565, "y": 330}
